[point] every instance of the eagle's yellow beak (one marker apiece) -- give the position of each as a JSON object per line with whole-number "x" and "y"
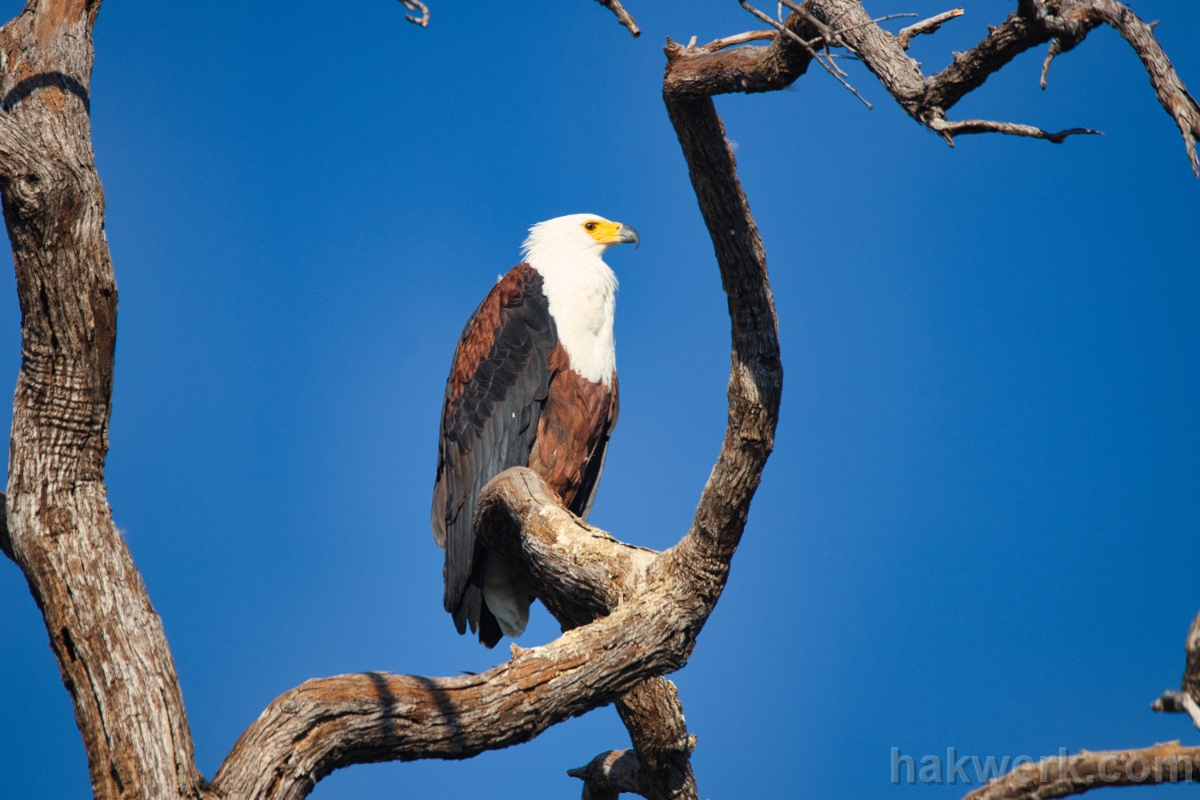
{"x": 610, "y": 233}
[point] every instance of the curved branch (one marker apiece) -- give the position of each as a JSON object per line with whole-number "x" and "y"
{"x": 1063, "y": 776}
{"x": 579, "y": 572}
{"x": 756, "y": 373}
{"x": 1171, "y": 93}
{"x": 653, "y": 716}
{"x": 329, "y": 723}
{"x": 334, "y": 722}
{"x": 422, "y": 10}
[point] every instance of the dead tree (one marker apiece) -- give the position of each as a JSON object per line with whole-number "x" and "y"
{"x": 630, "y": 616}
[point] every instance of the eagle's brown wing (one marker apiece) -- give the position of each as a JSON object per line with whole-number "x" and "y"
{"x": 498, "y": 384}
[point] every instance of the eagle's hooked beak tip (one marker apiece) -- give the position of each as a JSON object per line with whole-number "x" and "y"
{"x": 629, "y": 234}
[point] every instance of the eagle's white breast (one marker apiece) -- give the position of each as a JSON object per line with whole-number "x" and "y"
{"x": 582, "y": 294}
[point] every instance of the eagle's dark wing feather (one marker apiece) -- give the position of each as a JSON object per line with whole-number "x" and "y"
{"x": 581, "y": 506}
{"x": 497, "y": 386}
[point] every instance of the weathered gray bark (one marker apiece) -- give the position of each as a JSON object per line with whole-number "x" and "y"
{"x": 105, "y": 634}
{"x": 630, "y": 615}
{"x": 580, "y": 578}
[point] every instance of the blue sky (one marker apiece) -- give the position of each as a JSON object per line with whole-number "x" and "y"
{"x": 978, "y": 526}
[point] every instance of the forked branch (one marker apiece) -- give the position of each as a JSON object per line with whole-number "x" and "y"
{"x": 1064, "y": 24}
{"x": 581, "y": 573}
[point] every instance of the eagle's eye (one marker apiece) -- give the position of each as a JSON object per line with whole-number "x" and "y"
{"x": 589, "y": 226}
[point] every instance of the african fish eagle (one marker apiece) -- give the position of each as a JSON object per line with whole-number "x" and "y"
{"x": 533, "y": 384}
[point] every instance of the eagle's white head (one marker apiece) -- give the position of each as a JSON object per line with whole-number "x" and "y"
{"x": 575, "y": 233}
{"x": 579, "y": 286}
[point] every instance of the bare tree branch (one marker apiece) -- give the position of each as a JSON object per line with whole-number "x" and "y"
{"x": 931, "y": 25}
{"x": 949, "y": 130}
{"x": 740, "y": 38}
{"x": 329, "y": 723}
{"x": 710, "y": 70}
{"x": 1063, "y": 776}
{"x": 609, "y": 774}
{"x": 1064, "y": 23}
{"x": 832, "y": 69}
{"x": 653, "y": 716}
{"x": 844, "y": 23}
{"x": 1067, "y": 775}
{"x": 581, "y": 573}
{"x": 623, "y": 16}
{"x": 756, "y": 375}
